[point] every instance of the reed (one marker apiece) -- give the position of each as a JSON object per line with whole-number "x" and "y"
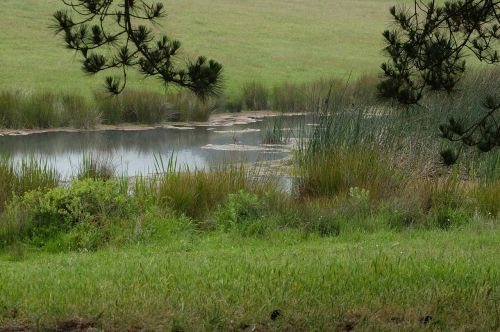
{"x": 27, "y": 109}
{"x": 195, "y": 193}
{"x": 255, "y": 96}
{"x": 97, "y": 168}
{"x": 29, "y": 174}
{"x": 133, "y": 106}
{"x": 189, "y": 107}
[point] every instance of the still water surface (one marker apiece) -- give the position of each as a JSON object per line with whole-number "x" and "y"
{"x": 134, "y": 152}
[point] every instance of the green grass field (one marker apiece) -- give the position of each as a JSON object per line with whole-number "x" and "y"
{"x": 270, "y": 41}
{"x": 376, "y": 233}
{"x": 432, "y": 280}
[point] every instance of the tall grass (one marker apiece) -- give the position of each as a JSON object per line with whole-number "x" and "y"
{"x": 29, "y": 174}
{"x": 255, "y": 96}
{"x": 195, "y": 193}
{"x": 26, "y": 109}
{"x": 96, "y": 167}
{"x": 275, "y": 133}
{"x": 133, "y": 106}
{"x": 342, "y": 168}
{"x": 189, "y": 107}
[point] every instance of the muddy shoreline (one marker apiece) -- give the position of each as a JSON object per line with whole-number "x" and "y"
{"x": 216, "y": 120}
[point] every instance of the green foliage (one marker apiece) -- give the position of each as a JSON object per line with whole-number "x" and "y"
{"x": 89, "y": 205}
{"x": 133, "y": 106}
{"x": 29, "y": 174}
{"x": 255, "y": 96}
{"x": 341, "y": 169}
{"x": 89, "y": 27}
{"x": 240, "y": 210}
{"x": 192, "y": 108}
{"x": 195, "y": 193}
{"x": 20, "y": 109}
{"x": 426, "y": 51}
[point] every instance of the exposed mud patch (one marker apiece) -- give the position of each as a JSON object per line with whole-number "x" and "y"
{"x": 216, "y": 120}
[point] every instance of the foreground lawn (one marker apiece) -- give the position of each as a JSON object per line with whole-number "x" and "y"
{"x": 392, "y": 281}
{"x": 266, "y": 40}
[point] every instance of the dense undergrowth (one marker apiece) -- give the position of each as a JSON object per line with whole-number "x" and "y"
{"x": 363, "y": 166}
{"x": 374, "y": 233}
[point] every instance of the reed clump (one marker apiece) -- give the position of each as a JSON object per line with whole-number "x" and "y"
{"x": 133, "y": 106}
{"x": 194, "y": 193}
{"x": 255, "y": 96}
{"x": 27, "y": 175}
{"x": 33, "y": 110}
{"x": 189, "y": 107}
{"x": 97, "y": 168}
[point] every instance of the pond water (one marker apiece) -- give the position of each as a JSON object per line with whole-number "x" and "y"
{"x": 133, "y": 152}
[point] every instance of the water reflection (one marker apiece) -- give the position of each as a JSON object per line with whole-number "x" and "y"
{"x": 133, "y": 152}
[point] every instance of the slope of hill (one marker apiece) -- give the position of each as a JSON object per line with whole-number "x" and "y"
{"x": 265, "y": 40}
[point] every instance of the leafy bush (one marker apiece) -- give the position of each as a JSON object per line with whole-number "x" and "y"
{"x": 88, "y": 204}
{"x": 241, "y": 208}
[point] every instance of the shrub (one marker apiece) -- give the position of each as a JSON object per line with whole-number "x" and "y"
{"x": 241, "y": 208}
{"x": 39, "y": 217}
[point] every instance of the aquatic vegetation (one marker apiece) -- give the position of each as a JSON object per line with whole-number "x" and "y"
{"x": 189, "y": 107}
{"x": 133, "y": 106}
{"x": 96, "y": 167}
{"x": 255, "y": 96}
{"x": 274, "y": 133}
{"x": 32, "y": 110}
{"x": 26, "y": 175}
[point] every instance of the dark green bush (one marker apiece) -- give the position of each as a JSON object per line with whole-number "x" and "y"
{"x": 87, "y": 204}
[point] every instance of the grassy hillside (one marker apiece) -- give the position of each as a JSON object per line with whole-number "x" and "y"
{"x": 266, "y": 40}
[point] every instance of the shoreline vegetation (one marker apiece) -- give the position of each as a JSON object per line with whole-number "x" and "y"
{"x": 27, "y": 109}
{"x": 374, "y": 233}
{"x": 372, "y": 221}
{"x": 215, "y": 120}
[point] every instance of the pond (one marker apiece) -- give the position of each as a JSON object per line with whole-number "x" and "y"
{"x": 133, "y": 152}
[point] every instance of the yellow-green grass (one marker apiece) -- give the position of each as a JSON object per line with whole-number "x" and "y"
{"x": 269, "y": 41}
{"x": 425, "y": 280}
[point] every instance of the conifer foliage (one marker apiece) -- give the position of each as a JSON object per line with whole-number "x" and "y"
{"x": 427, "y": 48}
{"x": 117, "y": 34}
